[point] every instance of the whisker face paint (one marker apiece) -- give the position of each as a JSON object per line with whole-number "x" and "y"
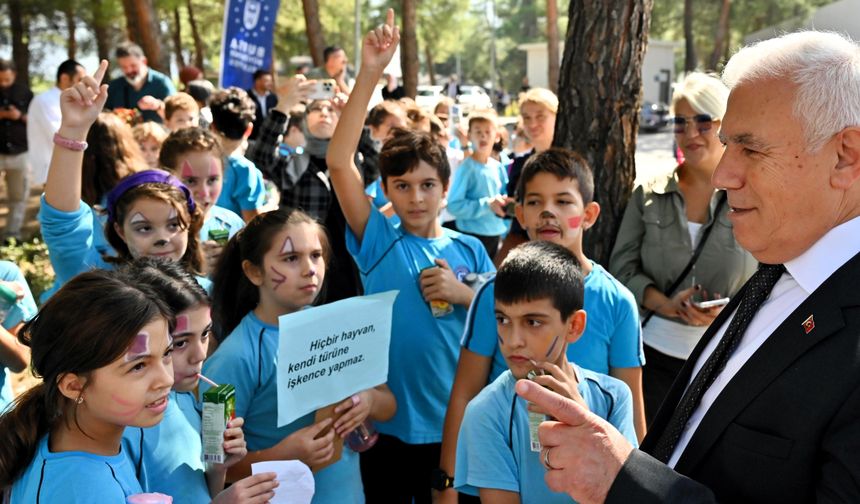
{"x": 187, "y": 170}
{"x": 278, "y": 278}
{"x": 139, "y": 347}
{"x": 546, "y": 214}
{"x": 574, "y": 222}
{"x": 287, "y": 247}
{"x": 552, "y": 346}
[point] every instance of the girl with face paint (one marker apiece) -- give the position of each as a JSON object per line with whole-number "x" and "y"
{"x": 170, "y": 453}
{"x": 275, "y": 266}
{"x": 61, "y": 442}
{"x": 149, "y": 213}
{"x": 194, "y": 155}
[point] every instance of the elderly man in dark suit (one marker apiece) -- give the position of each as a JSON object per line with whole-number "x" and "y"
{"x": 767, "y": 408}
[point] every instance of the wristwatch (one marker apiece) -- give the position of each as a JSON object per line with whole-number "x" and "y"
{"x": 440, "y": 480}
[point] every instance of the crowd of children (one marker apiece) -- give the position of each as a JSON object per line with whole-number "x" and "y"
{"x": 170, "y": 253}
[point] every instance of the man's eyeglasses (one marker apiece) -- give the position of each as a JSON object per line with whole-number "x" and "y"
{"x": 703, "y": 122}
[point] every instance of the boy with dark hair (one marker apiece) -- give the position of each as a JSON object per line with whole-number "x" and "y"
{"x": 555, "y": 203}
{"x": 538, "y": 311}
{"x": 425, "y": 262}
{"x": 479, "y": 192}
{"x": 244, "y": 192}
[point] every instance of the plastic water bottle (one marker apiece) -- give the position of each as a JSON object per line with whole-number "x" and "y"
{"x": 363, "y": 437}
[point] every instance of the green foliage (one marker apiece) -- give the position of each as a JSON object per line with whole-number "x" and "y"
{"x": 32, "y": 257}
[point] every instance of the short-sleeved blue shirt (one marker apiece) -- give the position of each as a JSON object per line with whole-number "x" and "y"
{"x": 75, "y": 478}
{"x": 248, "y": 360}
{"x": 474, "y": 186}
{"x": 612, "y": 337}
{"x": 243, "y": 187}
{"x": 169, "y": 454}
{"x": 493, "y": 448}
{"x": 377, "y": 196}
{"x": 424, "y": 349}
{"x": 22, "y": 311}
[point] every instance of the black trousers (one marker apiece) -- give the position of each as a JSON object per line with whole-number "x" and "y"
{"x": 658, "y": 375}
{"x": 394, "y": 472}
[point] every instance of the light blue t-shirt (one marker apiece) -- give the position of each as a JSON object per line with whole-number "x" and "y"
{"x": 248, "y": 359}
{"x": 474, "y": 186}
{"x": 424, "y": 349}
{"x": 22, "y": 311}
{"x": 243, "y": 187}
{"x": 493, "y": 448}
{"x": 221, "y": 218}
{"x": 75, "y": 478}
{"x": 71, "y": 244}
{"x": 170, "y": 460}
{"x": 612, "y": 337}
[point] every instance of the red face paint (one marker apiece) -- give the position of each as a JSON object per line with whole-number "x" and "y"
{"x": 139, "y": 347}
{"x": 181, "y": 324}
{"x": 187, "y": 170}
{"x": 574, "y": 222}
{"x": 278, "y": 278}
{"x": 125, "y": 408}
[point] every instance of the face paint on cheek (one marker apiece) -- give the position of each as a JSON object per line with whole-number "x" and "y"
{"x": 139, "y": 347}
{"x": 137, "y": 217}
{"x": 287, "y": 247}
{"x": 551, "y": 347}
{"x": 574, "y": 222}
{"x": 278, "y": 277}
{"x": 124, "y": 409}
{"x": 187, "y": 170}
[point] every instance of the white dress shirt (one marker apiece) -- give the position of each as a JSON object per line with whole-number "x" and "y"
{"x": 804, "y": 275}
{"x": 261, "y": 99}
{"x": 43, "y": 120}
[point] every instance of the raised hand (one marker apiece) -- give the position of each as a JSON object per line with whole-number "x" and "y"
{"x": 292, "y": 92}
{"x": 380, "y": 44}
{"x": 81, "y": 104}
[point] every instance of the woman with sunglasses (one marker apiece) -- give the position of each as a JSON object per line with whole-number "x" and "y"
{"x": 657, "y": 254}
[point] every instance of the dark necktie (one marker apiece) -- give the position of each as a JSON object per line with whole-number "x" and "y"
{"x": 757, "y": 291}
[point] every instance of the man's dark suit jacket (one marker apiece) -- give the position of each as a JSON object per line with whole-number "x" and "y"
{"x": 271, "y": 102}
{"x": 785, "y": 429}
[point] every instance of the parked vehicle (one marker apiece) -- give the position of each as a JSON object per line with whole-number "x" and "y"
{"x": 473, "y": 97}
{"x": 428, "y": 96}
{"x": 653, "y": 117}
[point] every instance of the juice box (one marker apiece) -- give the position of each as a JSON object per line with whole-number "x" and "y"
{"x": 535, "y": 419}
{"x": 219, "y": 407}
{"x": 220, "y": 236}
{"x": 439, "y": 307}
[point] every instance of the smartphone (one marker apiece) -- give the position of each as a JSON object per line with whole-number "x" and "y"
{"x": 509, "y": 209}
{"x": 323, "y": 90}
{"x": 711, "y": 304}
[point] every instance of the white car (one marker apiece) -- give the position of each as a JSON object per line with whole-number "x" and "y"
{"x": 473, "y": 97}
{"x": 428, "y": 96}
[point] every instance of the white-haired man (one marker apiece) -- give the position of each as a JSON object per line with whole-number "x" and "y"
{"x": 767, "y": 408}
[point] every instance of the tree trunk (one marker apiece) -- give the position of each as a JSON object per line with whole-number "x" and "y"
{"x": 599, "y": 98}
{"x": 552, "y": 43}
{"x": 177, "y": 38}
{"x": 20, "y": 25}
{"x": 199, "y": 50}
{"x": 689, "y": 42}
{"x": 428, "y": 55}
{"x": 142, "y": 24}
{"x": 409, "y": 48}
{"x": 721, "y": 38}
{"x": 316, "y": 39}
{"x": 101, "y": 30}
{"x": 71, "y": 28}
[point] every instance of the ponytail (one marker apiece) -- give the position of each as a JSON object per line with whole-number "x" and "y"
{"x": 28, "y": 419}
{"x": 233, "y": 295}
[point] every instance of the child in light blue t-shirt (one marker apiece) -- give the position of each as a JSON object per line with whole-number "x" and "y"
{"x": 168, "y": 457}
{"x": 21, "y": 311}
{"x": 276, "y": 266}
{"x": 479, "y": 191}
{"x": 538, "y": 311}
{"x": 421, "y": 259}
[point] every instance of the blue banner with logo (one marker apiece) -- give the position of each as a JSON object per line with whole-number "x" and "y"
{"x": 247, "y": 43}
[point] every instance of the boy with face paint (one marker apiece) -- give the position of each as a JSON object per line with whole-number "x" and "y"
{"x": 555, "y": 204}
{"x": 538, "y": 312}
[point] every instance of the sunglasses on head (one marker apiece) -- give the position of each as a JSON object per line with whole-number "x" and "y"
{"x": 703, "y": 122}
